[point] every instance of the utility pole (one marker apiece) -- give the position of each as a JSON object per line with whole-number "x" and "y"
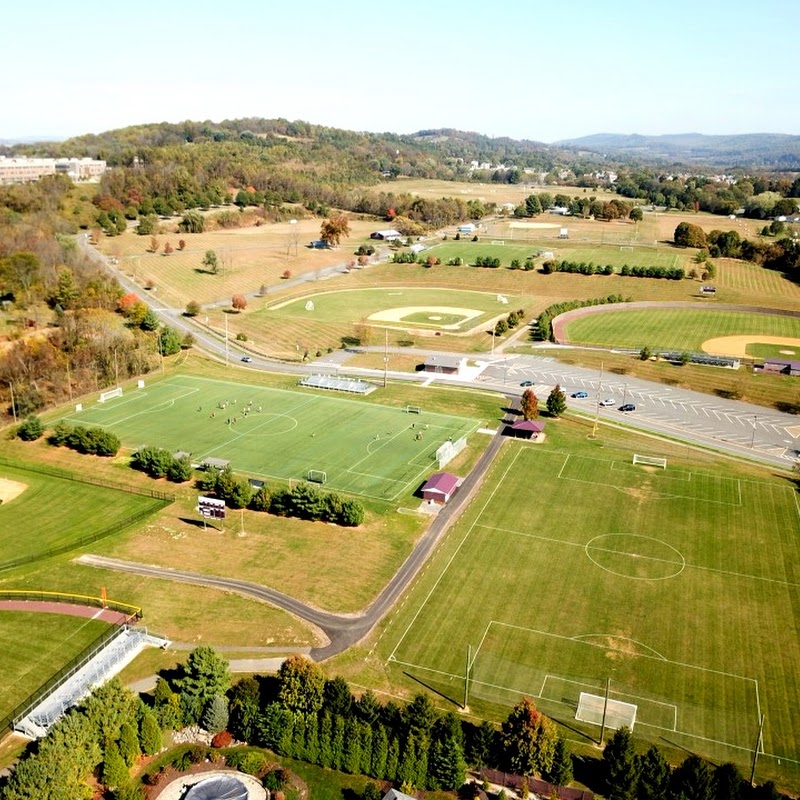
{"x": 13, "y": 402}
{"x": 757, "y": 748}
{"x": 226, "y": 339}
{"x": 597, "y": 407}
{"x": 466, "y": 677}
{"x": 385, "y": 357}
{"x": 753, "y": 437}
{"x": 605, "y": 709}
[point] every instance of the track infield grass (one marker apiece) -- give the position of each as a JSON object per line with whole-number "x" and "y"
{"x": 678, "y": 585}
{"x": 674, "y": 328}
{"x": 364, "y": 448}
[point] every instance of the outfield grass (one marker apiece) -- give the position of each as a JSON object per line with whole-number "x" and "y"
{"x": 674, "y": 328}
{"x": 364, "y": 448}
{"x": 35, "y": 647}
{"x": 676, "y": 584}
{"x": 780, "y": 351}
{"x": 54, "y": 512}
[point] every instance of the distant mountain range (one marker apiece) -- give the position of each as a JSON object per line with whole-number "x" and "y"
{"x": 776, "y": 150}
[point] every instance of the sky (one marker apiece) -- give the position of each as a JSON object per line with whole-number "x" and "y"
{"x": 529, "y": 69}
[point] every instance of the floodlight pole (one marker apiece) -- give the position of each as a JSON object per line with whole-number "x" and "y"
{"x": 757, "y": 748}
{"x": 13, "y": 402}
{"x": 226, "y": 340}
{"x": 466, "y": 677}
{"x": 605, "y": 708}
{"x": 597, "y": 407}
{"x": 753, "y": 437}
{"x": 385, "y": 357}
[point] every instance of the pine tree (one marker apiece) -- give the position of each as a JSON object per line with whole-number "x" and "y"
{"x": 393, "y": 760}
{"x": 129, "y": 744}
{"x": 561, "y": 772}
{"x": 556, "y": 402}
{"x": 312, "y": 739}
{"x": 215, "y": 714}
{"x": 620, "y": 766}
{"x": 654, "y": 776}
{"x": 351, "y": 760}
{"x": 693, "y": 778}
{"x": 299, "y": 738}
{"x": 326, "y": 741}
{"x": 115, "y": 773}
{"x": 244, "y": 709}
{"x": 150, "y": 737}
{"x": 380, "y": 752}
{"x": 728, "y": 782}
{"x": 366, "y": 748}
{"x": 408, "y": 765}
{"x": 337, "y": 742}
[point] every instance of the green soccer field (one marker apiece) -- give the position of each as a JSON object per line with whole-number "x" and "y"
{"x": 678, "y": 585}
{"x": 362, "y": 447}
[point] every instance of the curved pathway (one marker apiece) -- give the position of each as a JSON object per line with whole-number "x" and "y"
{"x": 341, "y": 630}
{"x": 560, "y": 322}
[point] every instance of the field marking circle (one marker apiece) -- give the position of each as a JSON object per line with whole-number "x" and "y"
{"x": 611, "y": 637}
{"x": 261, "y": 421}
{"x": 680, "y": 564}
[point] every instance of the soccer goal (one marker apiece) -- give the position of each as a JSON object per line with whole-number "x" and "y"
{"x": 413, "y": 410}
{"x": 110, "y": 394}
{"x": 499, "y": 242}
{"x": 593, "y": 707}
{"x": 650, "y": 461}
{"x": 317, "y": 476}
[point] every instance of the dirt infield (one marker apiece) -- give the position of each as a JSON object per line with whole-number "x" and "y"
{"x": 737, "y": 345}
{"x": 399, "y": 314}
{"x": 10, "y": 489}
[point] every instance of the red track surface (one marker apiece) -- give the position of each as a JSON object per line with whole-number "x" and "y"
{"x": 43, "y": 607}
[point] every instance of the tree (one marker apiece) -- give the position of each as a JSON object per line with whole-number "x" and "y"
{"x": 528, "y": 739}
{"x": 192, "y": 222}
{"x": 211, "y": 262}
{"x": 338, "y": 698}
{"x": 31, "y": 429}
{"x": 150, "y": 737}
{"x": 215, "y": 714}
{"x": 192, "y": 308}
{"x": 129, "y": 744}
{"x": 636, "y": 214}
{"x": 149, "y": 321}
{"x": 301, "y": 683}
{"x": 693, "y": 779}
{"x": 351, "y": 514}
{"x": 244, "y": 709}
{"x": 529, "y": 404}
{"x": 239, "y": 302}
{"x": 115, "y": 772}
{"x": 333, "y": 230}
{"x": 532, "y": 206}
{"x": 180, "y": 470}
{"x": 367, "y": 707}
{"x": 168, "y": 249}
{"x": 654, "y": 776}
{"x": 169, "y": 341}
{"x": 204, "y": 675}
{"x": 560, "y": 773}
{"x": 154, "y": 244}
{"x": 556, "y": 402}
{"x": 620, "y": 766}
{"x": 728, "y": 782}
{"x": 446, "y": 765}
{"x": 419, "y": 716}
{"x": 645, "y": 353}
{"x": 689, "y": 235}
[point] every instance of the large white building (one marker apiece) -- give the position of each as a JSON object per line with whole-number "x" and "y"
{"x": 20, "y": 169}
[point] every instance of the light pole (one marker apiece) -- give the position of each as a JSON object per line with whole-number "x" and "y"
{"x": 753, "y": 437}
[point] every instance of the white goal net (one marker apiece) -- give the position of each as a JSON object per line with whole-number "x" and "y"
{"x": 449, "y": 450}
{"x": 617, "y": 713}
{"x": 650, "y": 461}
{"x": 317, "y": 476}
{"x": 110, "y": 394}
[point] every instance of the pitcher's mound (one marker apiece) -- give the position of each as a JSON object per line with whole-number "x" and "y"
{"x": 10, "y": 489}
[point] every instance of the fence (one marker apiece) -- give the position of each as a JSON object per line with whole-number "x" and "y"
{"x": 539, "y": 787}
{"x": 131, "y": 612}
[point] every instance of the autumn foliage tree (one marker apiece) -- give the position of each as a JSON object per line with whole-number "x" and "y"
{"x": 529, "y": 404}
{"x": 529, "y": 740}
{"x": 239, "y": 302}
{"x": 333, "y": 230}
{"x": 168, "y": 249}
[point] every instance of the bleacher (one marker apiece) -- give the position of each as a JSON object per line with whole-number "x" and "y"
{"x": 337, "y": 384}
{"x": 703, "y": 358}
{"x": 103, "y": 664}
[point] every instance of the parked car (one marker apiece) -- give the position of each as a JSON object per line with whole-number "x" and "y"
{"x": 526, "y": 383}
{"x": 246, "y": 359}
{"x": 609, "y": 401}
{"x": 627, "y": 407}
{"x": 580, "y": 395}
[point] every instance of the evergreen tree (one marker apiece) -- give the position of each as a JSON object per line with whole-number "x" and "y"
{"x": 481, "y": 744}
{"x": 694, "y": 779}
{"x": 556, "y": 401}
{"x": 408, "y": 766}
{"x": 728, "y": 782}
{"x": 367, "y": 737}
{"x": 351, "y": 761}
{"x": 286, "y": 741}
{"x": 115, "y": 773}
{"x": 299, "y": 738}
{"x": 368, "y": 708}
{"x": 654, "y": 776}
{"x": 215, "y": 714}
{"x": 446, "y": 766}
{"x": 393, "y": 759}
{"x": 204, "y": 675}
{"x": 129, "y": 744}
{"x": 244, "y": 708}
{"x": 312, "y": 739}
{"x": 272, "y": 726}
{"x": 301, "y": 684}
{"x": 338, "y": 698}
{"x": 150, "y": 737}
{"x": 419, "y": 716}
{"x": 380, "y": 752}
{"x": 561, "y": 772}
{"x": 326, "y": 741}
{"x": 620, "y": 766}
{"x": 338, "y": 743}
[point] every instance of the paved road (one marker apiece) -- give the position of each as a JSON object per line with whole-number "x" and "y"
{"x": 341, "y": 630}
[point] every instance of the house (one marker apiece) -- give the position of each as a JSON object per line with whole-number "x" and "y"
{"x": 525, "y": 429}
{"x": 781, "y": 366}
{"x": 389, "y": 235}
{"x": 439, "y": 487}
{"x": 445, "y": 365}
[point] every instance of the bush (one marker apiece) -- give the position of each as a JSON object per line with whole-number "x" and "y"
{"x": 31, "y": 429}
{"x": 222, "y": 739}
{"x": 192, "y": 308}
{"x": 248, "y": 761}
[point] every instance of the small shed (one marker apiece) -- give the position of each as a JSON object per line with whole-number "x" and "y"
{"x": 388, "y": 235}
{"x": 179, "y": 454}
{"x": 524, "y": 429}
{"x": 782, "y": 366}
{"x": 468, "y": 227}
{"x": 215, "y": 463}
{"x": 393, "y": 794}
{"x": 445, "y": 365}
{"x": 439, "y": 487}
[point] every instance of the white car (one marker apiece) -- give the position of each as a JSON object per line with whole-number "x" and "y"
{"x": 609, "y": 401}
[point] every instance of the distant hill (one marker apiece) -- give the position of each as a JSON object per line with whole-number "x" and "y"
{"x": 766, "y": 150}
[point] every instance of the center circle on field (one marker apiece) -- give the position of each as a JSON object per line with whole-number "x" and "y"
{"x": 632, "y": 555}
{"x": 260, "y": 424}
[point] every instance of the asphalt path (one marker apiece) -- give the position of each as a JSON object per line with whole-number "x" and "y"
{"x": 341, "y": 630}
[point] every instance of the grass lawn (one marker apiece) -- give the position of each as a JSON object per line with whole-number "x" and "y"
{"x": 35, "y": 647}
{"x": 676, "y": 584}
{"x": 674, "y": 328}
{"x": 54, "y": 512}
{"x": 364, "y": 448}
{"x": 780, "y": 351}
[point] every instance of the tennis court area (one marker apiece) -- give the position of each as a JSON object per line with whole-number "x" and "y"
{"x": 361, "y": 447}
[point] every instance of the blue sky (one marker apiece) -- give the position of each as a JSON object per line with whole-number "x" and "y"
{"x": 525, "y": 69}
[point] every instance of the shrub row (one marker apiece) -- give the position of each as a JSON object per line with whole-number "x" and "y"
{"x": 590, "y": 268}
{"x": 92, "y": 441}
{"x": 159, "y": 463}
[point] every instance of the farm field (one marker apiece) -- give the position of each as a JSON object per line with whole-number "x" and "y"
{"x": 65, "y": 512}
{"x": 364, "y": 448}
{"x": 34, "y": 647}
{"x": 675, "y": 584}
{"x": 674, "y": 328}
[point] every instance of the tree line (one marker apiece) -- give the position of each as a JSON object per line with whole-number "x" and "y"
{"x": 590, "y": 268}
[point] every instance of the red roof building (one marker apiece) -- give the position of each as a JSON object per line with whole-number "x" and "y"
{"x": 439, "y": 487}
{"x": 524, "y": 429}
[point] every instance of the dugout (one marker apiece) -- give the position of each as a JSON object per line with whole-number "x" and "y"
{"x": 215, "y": 463}
{"x": 530, "y": 429}
{"x": 439, "y": 487}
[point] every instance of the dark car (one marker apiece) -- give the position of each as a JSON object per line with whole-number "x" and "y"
{"x": 628, "y": 407}
{"x": 580, "y": 395}
{"x": 526, "y": 383}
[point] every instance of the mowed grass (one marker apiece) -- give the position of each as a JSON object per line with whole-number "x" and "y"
{"x": 678, "y": 585}
{"x": 55, "y": 512}
{"x": 780, "y": 351}
{"x": 33, "y": 647}
{"x": 674, "y": 328}
{"x": 365, "y": 449}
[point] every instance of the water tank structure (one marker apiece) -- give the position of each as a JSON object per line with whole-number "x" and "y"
{"x": 218, "y": 787}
